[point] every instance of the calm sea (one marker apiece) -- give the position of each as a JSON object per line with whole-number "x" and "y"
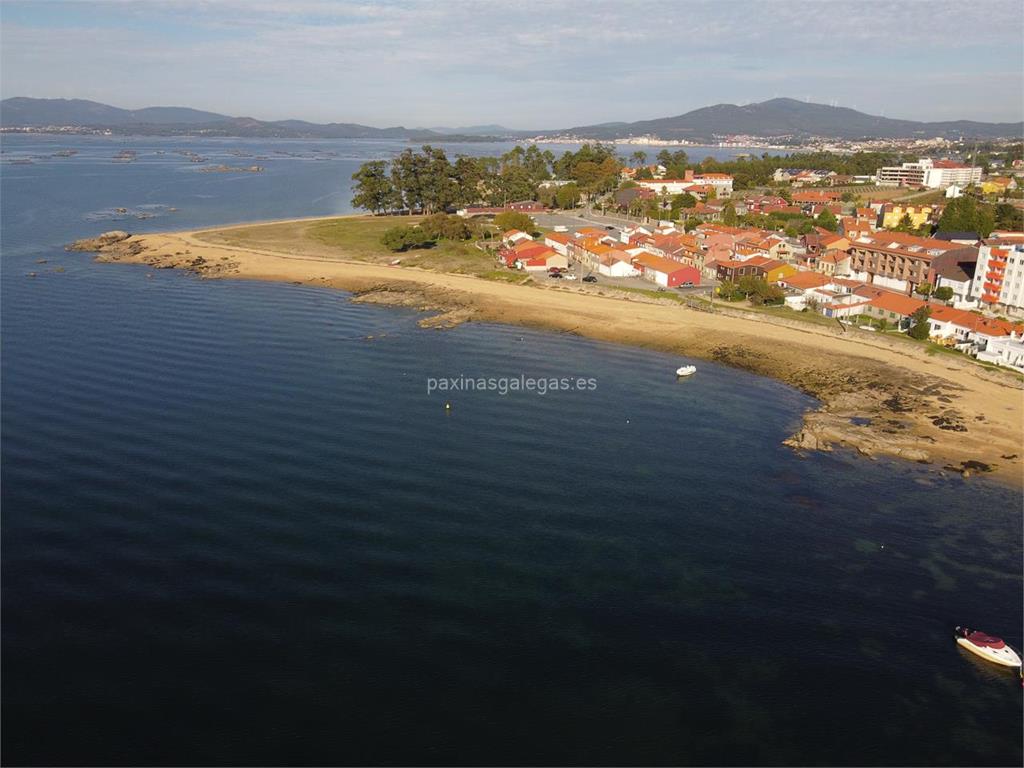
{"x": 237, "y": 529}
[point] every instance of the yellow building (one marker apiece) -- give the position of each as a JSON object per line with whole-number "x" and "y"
{"x": 919, "y": 215}
{"x": 776, "y": 270}
{"x": 997, "y": 185}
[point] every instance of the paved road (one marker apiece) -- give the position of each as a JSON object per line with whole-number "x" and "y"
{"x": 582, "y": 218}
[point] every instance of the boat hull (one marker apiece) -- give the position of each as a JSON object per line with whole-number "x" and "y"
{"x": 1004, "y": 656}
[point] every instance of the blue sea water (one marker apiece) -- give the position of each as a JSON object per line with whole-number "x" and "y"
{"x": 236, "y": 528}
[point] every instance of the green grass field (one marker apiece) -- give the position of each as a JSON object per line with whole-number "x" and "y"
{"x": 360, "y": 238}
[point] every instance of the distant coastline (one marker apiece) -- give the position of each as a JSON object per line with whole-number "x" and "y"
{"x": 877, "y": 397}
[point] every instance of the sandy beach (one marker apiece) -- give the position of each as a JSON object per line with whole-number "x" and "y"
{"x": 879, "y": 396}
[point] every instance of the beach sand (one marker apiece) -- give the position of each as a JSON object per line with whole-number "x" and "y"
{"x": 879, "y": 396}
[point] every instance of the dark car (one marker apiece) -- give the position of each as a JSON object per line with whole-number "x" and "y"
{"x": 610, "y": 228}
{"x": 556, "y": 274}
{"x": 589, "y": 279}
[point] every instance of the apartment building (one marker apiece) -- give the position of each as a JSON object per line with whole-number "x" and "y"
{"x": 895, "y": 260}
{"x": 935, "y": 174}
{"x": 999, "y": 275}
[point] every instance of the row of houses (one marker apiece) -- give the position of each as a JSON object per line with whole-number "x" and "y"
{"x": 834, "y": 275}
{"x": 993, "y": 340}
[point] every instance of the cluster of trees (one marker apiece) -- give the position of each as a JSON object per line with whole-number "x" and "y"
{"x": 674, "y": 163}
{"x": 564, "y": 196}
{"x": 1008, "y": 217}
{"x": 595, "y": 168}
{"x": 507, "y": 220}
{"x": 406, "y": 238}
{"x": 964, "y": 214}
{"x": 827, "y": 220}
{"x": 427, "y": 181}
{"x": 757, "y": 290}
{"x": 794, "y": 224}
{"x": 439, "y": 226}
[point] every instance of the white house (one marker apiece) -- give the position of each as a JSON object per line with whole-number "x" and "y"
{"x": 514, "y": 236}
{"x": 558, "y": 241}
{"x": 617, "y": 264}
{"x": 1007, "y": 351}
{"x": 629, "y": 231}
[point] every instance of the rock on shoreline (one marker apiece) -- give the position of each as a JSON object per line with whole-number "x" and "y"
{"x": 100, "y": 242}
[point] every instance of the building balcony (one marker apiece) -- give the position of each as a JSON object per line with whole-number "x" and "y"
{"x": 995, "y": 263}
{"x": 992, "y": 288}
{"x": 989, "y": 298}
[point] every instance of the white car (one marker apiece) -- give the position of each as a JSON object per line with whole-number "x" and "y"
{"x": 569, "y": 276}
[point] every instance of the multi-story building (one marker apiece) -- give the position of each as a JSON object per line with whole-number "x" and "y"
{"x": 999, "y": 275}
{"x": 895, "y": 260}
{"x": 935, "y": 174}
{"x": 720, "y": 182}
{"x": 893, "y": 213}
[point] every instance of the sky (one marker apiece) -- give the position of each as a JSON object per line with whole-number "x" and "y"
{"x": 530, "y": 64}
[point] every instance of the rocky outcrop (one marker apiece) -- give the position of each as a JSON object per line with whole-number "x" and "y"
{"x": 99, "y": 243}
{"x": 823, "y": 431}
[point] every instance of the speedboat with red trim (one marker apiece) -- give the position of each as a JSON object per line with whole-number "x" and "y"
{"x": 988, "y": 647}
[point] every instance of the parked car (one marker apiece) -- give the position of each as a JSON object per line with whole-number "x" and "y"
{"x": 569, "y": 276}
{"x": 688, "y": 284}
{"x": 556, "y": 275}
{"x": 610, "y": 228}
{"x": 589, "y": 279}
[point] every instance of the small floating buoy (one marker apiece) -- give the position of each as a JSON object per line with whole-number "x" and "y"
{"x": 447, "y": 406}
{"x": 627, "y": 421}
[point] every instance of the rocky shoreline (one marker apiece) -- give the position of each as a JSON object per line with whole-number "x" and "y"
{"x": 869, "y": 406}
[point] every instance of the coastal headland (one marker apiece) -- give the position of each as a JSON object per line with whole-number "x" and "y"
{"x": 878, "y": 396}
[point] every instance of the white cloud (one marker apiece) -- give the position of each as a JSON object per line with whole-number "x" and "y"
{"x": 528, "y": 63}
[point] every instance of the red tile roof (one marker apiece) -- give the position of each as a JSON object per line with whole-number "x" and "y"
{"x": 895, "y": 302}
{"x": 653, "y": 261}
{"x": 806, "y": 280}
{"x": 989, "y": 326}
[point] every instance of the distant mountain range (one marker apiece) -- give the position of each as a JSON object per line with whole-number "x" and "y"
{"x": 792, "y": 118}
{"x": 777, "y": 118}
{"x": 23, "y": 112}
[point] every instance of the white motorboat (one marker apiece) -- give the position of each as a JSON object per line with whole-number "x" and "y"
{"x": 686, "y": 370}
{"x": 988, "y": 647}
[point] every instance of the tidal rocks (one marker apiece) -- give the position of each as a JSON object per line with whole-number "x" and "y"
{"x": 822, "y": 431}
{"x": 99, "y": 243}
